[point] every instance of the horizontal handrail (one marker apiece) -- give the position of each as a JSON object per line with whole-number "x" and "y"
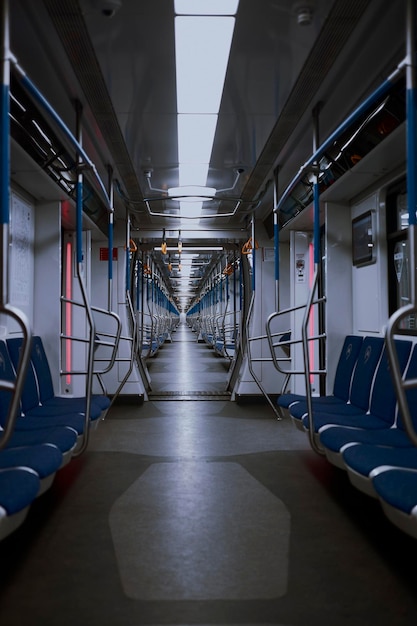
{"x": 290, "y": 342}
{"x": 116, "y": 336}
{"x": 251, "y": 360}
{"x": 353, "y": 117}
{"x": 40, "y": 99}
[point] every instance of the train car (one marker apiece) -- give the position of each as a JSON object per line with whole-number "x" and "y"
{"x": 208, "y": 355}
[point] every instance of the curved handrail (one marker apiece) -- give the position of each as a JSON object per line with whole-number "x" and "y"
{"x": 15, "y": 387}
{"x": 97, "y": 342}
{"x": 90, "y": 360}
{"x": 134, "y": 339}
{"x": 307, "y": 371}
{"x": 251, "y": 360}
{"x": 288, "y": 342}
{"x": 400, "y": 384}
{"x": 272, "y": 345}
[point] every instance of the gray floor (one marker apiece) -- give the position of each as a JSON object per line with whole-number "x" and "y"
{"x": 204, "y": 512}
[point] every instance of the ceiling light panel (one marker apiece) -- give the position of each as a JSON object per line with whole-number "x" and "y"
{"x": 202, "y": 47}
{"x": 206, "y": 7}
{"x": 195, "y": 138}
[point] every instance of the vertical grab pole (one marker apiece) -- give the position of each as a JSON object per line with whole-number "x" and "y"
{"x": 405, "y": 311}
{"x": 110, "y": 237}
{"x": 14, "y": 405}
{"x": 234, "y": 296}
{"x": 316, "y": 140}
{"x": 79, "y": 264}
{"x": 411, "y": 143}
{"x": 79, "y": 192}
{"x": 276, "y": 241}
{"x": 127, "y": 276}
{"x": 4, "y": 151}
{"x": 316, "y": 245}
{"x": 253, "y": 253}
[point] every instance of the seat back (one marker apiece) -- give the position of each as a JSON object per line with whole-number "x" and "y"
{"x": 30, "y": 393}
{"x": 411, "y": 394}
{"x": 7, "y": 374}
{"x": 364, "y": 373}
{"x": 384, "y": 399}
{"x": 346, "y": 364}
{"x": 42, "y": 370}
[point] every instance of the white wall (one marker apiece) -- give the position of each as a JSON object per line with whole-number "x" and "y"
{"x": 99, "y": 296}
{"x": 265, "y": 304}
{"x": 338, "y": 287}
{"x": 369, "y": 283}
{"x": 48, "y": 262}
{"x": 20, "y": 287}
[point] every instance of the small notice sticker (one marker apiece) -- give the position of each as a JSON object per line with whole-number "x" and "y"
{"x": 104, "y": 254}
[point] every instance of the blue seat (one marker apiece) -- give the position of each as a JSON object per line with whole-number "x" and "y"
{"x": 378, "y": 405}
{"x": 76, "y": 421}
{"x": 365, "y": 461}
{"x": 30, "y": 400}
{"x": 18, "y": 489}
{"x": 397, "y": 491}
{"x": 64, "y": 438}
{"x": 363, "y": 377}
{"x": 45, "y": 459}
{"x": 46, "y": 388}
{"x": 342, "y": 381}
{"x": 61, "y": 431}
{"x": 334, "y": 439}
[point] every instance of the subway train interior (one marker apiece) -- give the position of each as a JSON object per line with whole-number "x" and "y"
{"x": 208, "y": 316}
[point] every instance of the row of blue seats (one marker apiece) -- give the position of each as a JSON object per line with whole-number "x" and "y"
{"x": 47, "y": 431}
{"x": 359, "y": 427}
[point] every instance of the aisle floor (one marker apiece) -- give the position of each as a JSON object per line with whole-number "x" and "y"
{"x": 204, "y": 512}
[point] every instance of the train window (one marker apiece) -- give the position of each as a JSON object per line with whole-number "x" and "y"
{"x": 398, "y": 252}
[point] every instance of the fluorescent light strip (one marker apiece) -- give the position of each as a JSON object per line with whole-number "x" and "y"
{"x": 190, "y": 209}
{"x": 206, "y": 7}
{"x": 193, "y": 174}
{"x": 195, "y": 138}
{"x": 202, "y": 47}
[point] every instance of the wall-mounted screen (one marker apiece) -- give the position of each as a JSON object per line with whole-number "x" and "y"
{"x": 363, "y": 249}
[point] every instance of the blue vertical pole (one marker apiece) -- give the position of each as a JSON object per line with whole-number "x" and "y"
{"x": 412, "y": 145}
{"x": 276, "y": 244}
{"x": 253, "y": 254}
{"x": 79, "y": 192}
{"x": 110, "y": 245}
{"x": 110, "y": 235}
{"x": 316, "y": 192}
{"x": 138, "y": 285}
{"x": 411, "y": 114}
{"x": 127, "y": 268}
{"x": 276, "y": 241}
{"x": 240, "y": 288}
{"x": 79, "y": 211}
{"x": 316, "y": 200}
{"x": 4, "y": 151}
